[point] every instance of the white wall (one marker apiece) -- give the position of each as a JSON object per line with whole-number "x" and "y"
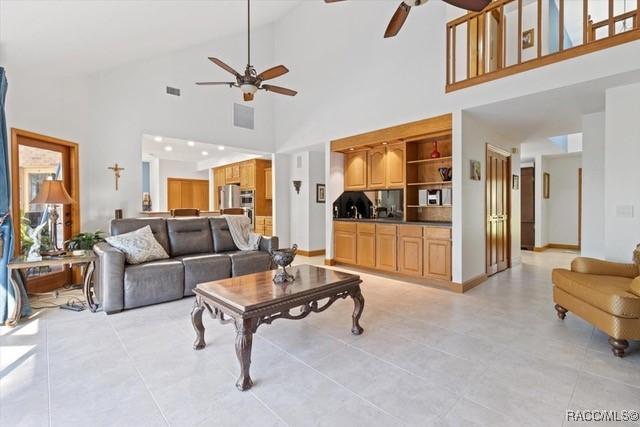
{"x": 622, "y": 174}
{"x": 316, "y": 210}
{"x": 172, "y": 169}
{"x": 562, "y": 216}
{"x": 281, "y": 170}
{"x": 593, "y": 205}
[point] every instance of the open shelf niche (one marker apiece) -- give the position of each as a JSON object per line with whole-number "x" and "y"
{"x": 422, "y": 173}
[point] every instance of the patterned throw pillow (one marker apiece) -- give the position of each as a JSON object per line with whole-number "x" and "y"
{"x": 138, "y": 246}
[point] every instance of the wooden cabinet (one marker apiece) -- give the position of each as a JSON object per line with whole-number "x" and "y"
{"x": 410, "y": 250}
{"x": 268, "y": 226}
{"x": 268, "y": 193}
{"x": 232, "y": 174}
{"x": 395, "y": 165}
{"x": 263, "y": 225}
{"x": 437, "y": 253}
{"x": 386, "y": 247}
{"x": 218, "y": 181}
{"x": 248, "y": 175}
{"x": 366, "y": 245}
{"x": 355, "y": 174}
{"x": 187, "y": 193}
{"x": 376, "y": 168}
{"x": 345, "y": 242}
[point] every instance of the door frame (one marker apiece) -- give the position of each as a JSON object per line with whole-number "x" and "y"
{"x": 73, "y": 190}
{"x": 507, "y": 154}
{"x": 579, "y": 208}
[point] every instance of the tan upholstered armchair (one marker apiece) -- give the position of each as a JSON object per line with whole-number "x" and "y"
{"x": 605, "y": 294}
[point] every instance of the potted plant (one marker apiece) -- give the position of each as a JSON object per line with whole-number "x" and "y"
{"x": 84, "y": 241}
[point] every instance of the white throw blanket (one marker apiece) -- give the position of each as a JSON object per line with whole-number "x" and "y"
{"x": 243, "y": 237}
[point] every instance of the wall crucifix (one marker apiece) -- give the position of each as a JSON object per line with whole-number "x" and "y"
{"x": 116, "y": 170}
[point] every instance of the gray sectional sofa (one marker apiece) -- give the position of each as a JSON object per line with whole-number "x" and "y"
{"x": 200, "y": 250}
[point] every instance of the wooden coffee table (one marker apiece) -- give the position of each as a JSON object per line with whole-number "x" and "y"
{"x": 251, "y": 300}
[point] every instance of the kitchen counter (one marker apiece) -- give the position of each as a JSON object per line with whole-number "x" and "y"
{"x": 396, "y": 221}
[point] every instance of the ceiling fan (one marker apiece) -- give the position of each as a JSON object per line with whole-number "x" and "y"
{"x": 398, "y": 18}
{"x": 250, "y": 82}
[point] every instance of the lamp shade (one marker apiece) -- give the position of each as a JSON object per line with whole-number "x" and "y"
{"x": 53, "y": 192}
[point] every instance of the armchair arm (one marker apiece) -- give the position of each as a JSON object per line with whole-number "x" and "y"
{"x": 604, "y": 268}
{"x": 268, "y": 243}
{"x": 109, "y": 280}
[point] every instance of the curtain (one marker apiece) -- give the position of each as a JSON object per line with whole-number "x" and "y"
{"x": 7, "y": 299}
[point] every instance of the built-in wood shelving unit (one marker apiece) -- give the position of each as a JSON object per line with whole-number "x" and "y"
{"x": 425, "y": 184}
{"x": 439, "y": 159}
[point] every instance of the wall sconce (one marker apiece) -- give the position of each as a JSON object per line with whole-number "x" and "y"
{"x": 296, "y": 185}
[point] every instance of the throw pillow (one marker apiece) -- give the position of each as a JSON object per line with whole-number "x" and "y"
{"x": 138, "y": 246}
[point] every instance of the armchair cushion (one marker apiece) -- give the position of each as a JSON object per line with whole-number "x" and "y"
{"x": 608, "y": 293}
{"x": 605, "y": 268}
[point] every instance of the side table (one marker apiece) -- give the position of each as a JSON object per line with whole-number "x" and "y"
{"x": 20, "y": 263}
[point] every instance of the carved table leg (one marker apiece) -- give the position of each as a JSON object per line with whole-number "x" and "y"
{"x": 17, "y": 307}
{"x": 358, "y": 302}
{"x": 196, "y": 320}
{"x": 561, "y": 311}
{"x": 87, "y": 289}
{"x": 618, "y": 346}
{"x": 244, "y": 340}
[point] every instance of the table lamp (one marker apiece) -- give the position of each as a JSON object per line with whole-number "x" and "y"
{"x": 52, "y": 193}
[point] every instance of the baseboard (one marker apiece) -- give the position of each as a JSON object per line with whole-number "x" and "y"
{"x": 540, "y": 248}
{"x": 317, "y": 252}
{"x": 468, "y": 284}
{"x": 556, "y": 246}
{"x": 328, "y": 261}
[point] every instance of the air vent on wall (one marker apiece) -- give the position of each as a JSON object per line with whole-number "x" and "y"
{"x": 242, "y": 116}
{"x": 173, "y": 91}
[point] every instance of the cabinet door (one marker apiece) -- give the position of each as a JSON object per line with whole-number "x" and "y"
{"x": 201, "y": 195}
{"x": 386, "y": 250}
{"x": 437, "y": 259}
{"x": 267, "y": 184}
{"x": 366, "y": 245}
{"x": 355, "y": 176}
{"x": 174, "y": 192}
{"x": 245, "y": 176}
{"x": 345, "y": 246}
{"x": 410, "y": 255}
{"x": 228, "y": 174}
{"x": 376, "y": 168}
{"x": 395, "y": 159}
{"x": 235, "y": 171}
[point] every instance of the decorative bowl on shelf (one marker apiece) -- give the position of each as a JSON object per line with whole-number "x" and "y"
{"x": 283, "y": 258}
{"x": 445, "y": 173}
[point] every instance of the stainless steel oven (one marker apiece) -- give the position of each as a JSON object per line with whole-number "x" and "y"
{"x": 247, "y": 202}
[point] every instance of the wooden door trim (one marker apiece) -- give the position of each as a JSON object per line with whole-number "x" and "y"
{"x": 507, "y": 154}
{"x": 580, "y": 208}
{"x": 74, "y": 178}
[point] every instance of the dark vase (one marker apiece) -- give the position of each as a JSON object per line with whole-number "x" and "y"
{"x": 445, "y": 174}
{"x": 435, "y": 153}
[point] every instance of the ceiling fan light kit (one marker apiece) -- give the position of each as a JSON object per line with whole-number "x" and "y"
{"x": 250, "y": 82}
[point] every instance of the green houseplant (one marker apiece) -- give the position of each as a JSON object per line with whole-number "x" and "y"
{"x": 84, "y": 241}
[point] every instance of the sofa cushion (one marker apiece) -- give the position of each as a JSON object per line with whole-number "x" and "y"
{"x": 189, "y": 236}
{"x": 200, "y": 268}
{"x": 153, "y": 282}
{"x": 138, "y": 246}
{"x": 158, "y": 227}
{"x": 608, "y": 293}
{"x": 249, "y": 262}
{"x": 222, "y": 240}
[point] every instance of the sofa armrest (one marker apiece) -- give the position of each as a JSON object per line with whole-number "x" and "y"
{"x": 268, "y": 244}
{"x": 604, "y": 268}
{"x": 109, "y": 277}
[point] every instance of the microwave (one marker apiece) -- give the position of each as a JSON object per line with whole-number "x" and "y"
{"x": 434, "y": 197}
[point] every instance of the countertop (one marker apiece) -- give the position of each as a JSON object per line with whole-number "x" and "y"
{"x": 397, "y": 221}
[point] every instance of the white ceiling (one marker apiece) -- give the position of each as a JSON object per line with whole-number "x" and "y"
{"x": 83, "y": 36}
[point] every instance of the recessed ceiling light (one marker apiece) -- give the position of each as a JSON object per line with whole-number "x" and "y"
{"x": 351, "y": 149}
{"x": 205, "y": 153}
{"x": 157, "y": 138}
{"x": 168, "y": 148}
{"x": 221, "y": 147}
{"x": 384, "y": 143}
{"x": 191, "y": 143}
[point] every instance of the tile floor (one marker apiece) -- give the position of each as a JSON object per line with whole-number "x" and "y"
{"x": 496, "y": 356}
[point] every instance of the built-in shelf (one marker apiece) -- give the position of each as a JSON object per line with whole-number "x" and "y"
{"x": 437, "y": 159}
{"x": 428, "y": 206}
{"x": 430, "y": 183}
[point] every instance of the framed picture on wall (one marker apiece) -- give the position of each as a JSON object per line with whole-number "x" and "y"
{"x": 546, "y": 185}
{"x": 321, "y": 195}
{"x": 474, "y": 172}
{"x": 515, "y": 182}
{"x": 528, "y": 38}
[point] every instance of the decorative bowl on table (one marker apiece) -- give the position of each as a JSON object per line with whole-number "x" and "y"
{"x": 283, "y": 258}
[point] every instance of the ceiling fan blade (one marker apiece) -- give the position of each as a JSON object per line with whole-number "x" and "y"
{"x": 224, "y": 66}
{"x": 473, "y": 5}
{"x": 280, "y": 90}
{"x": 397, "y": 20}
{"x": 230, "y": 84}
{"x": 273, "y": 72}
{"x": 247, "y": 96}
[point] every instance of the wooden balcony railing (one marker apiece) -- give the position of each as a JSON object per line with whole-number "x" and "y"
{"x": 512, "y": 36}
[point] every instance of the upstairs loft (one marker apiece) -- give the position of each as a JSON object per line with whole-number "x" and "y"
{"x": 512, "y": 36}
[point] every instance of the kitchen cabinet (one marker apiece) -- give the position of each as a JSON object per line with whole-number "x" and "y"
{"x": 263, "y": 225}
{"x": 355, "y": 176}
{"x": 268, "y": 193}
{"x": 366, "y": 245}
{"x": 386, "y": 247}
{"x": 377, "y": 168}
{"x": 345, "y": 242}
{"x": 437, "y": 253}
{"x": 232, "y": 174}
{"x": 247, "y": 172}
{"x": 410, "y": 250}
{"x": 395, "y": 165}
{"x": 187, "y": 193}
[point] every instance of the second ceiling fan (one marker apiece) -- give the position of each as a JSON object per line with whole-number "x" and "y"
{"x": 398, "y": 18}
